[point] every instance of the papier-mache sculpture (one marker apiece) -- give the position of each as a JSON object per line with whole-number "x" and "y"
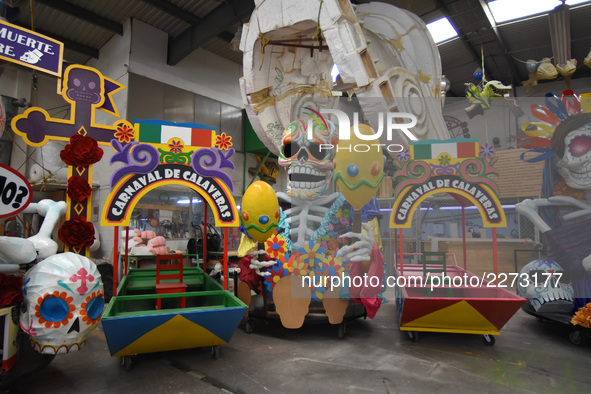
{"x": 562, "y": 218}
{"x": 63, "y": 303}
{"x": 388, "y": 60}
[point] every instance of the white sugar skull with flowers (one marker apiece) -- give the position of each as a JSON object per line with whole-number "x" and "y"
{"x": 575, "y": 153}
{"x": 63, "y": 303}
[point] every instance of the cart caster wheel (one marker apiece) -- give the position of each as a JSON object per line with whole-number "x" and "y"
{"x": 215, "y": 352}
{"x": 249, "y": 326}
{"x": 126, "y": 362}
{"x": 488, "y": 340}
{"x": 577, "y": 337}
{"x": 341, "y": 330}
{"x": 413, "y": 336}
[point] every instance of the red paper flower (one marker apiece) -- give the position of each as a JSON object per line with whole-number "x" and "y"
{"x": 77, "y": 232}
{"x": 223, "y": 141}
{"x": 124, "y": 133}
{"x": 81, "y": 151}
{"x": 78, "y": 188}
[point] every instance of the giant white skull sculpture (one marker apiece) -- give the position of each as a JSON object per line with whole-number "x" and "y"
{"x": 308, "y": 161}
{"x": 63, "y": 303}
{"x": 575, "y": 164}
{"x": 546, "y": 287}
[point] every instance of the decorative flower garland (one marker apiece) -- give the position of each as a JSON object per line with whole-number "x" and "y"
{"x": 82, "y": 151}
{"x": 78, "y": 188}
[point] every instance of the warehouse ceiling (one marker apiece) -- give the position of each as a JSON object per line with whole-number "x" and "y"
{"x": 85, "y": 26}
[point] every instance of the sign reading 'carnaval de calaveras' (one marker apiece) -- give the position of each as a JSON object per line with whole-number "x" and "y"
{"x": 156, "y": 153}
{"x": 460, "y": 167}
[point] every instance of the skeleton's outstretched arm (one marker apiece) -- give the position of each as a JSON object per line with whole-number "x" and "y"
{"x": 359, "y": 250}
{"x": 256, "y": 265}
{"x": 529, "y": 209}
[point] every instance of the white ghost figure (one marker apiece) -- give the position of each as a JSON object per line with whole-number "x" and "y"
{"x": 63, "y": 303}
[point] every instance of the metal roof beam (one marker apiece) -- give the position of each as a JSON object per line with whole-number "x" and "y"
{"x": 225, "y": 15}
{"x": 175, "y": 11}
{"x": 461, "y": 34}
{"x": 510, "y": 61}
{"x": 68, "y": 44}
{"x": 85, "y": 15}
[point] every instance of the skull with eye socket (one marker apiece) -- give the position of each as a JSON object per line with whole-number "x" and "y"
{"x": 63, "y": 303}
{"x": 572, "y": 142}
{"x": 84, "y": 85}
{"x": 309, "y": 162}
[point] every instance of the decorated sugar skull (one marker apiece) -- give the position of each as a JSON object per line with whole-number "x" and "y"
{"x": 572, "y": 141}
{"x": 308, "y": 160}
{"x": 63, "y": 303}
{"x": 546, "y": 287}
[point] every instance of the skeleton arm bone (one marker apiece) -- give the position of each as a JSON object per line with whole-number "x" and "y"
{"x": 529, "y": 209}
{"x": 256, "y": 265}
{"x": 359, "y": 250}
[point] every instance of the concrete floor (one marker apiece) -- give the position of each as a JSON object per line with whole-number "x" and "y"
{"x": 375, "y": 356}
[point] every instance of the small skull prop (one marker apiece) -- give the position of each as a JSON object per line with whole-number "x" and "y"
{"x": 84, "y": 85}
{"x": 63, "y": 303}
{"x": 575, "y": 153}
{"x": 544, "y": 284}
{"x": 308, "y": 161}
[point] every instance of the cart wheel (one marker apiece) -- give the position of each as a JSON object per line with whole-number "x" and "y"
{"x": 540, "y": 319}
{"x": 126, "y": 362}
{"x": 413, "y": 336}
{"x": 488, "y": 340}
{"x": 341, "y": 330}
{"x": 215, "y": 352}
{"x": 577, "y": 337}
{"x": 249, "y": 326}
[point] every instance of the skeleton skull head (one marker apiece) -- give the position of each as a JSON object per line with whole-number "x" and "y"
{"x": 308, "y": 161}
{"x": 84, "y": 85}
{"x": 544, "y": 284}
{"x": 63, "y": 303}
{"x": 574, "y": 150}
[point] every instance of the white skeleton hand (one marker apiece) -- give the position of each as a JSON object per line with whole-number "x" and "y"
{"x": 359, "y": 250}
{"x": 256, "y": 265}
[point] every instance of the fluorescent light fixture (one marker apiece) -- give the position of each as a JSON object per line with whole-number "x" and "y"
{"x": 452, "y": 208}
{"x": 441, "y": 30}
{"x": 334, "y": 72}
{"x": 506, "y": 10}
{"x": 186, "y": 201}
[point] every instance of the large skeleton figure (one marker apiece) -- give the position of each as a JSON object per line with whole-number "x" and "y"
{"x": 568, "y": 244}
{"x": 311, "y": 207}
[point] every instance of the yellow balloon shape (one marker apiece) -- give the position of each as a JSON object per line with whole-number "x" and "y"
{"x": 260, "y": 211}
{"x": 359, "y": 167}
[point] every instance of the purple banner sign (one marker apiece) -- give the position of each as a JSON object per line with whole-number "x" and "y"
{"x": 30, "y": 49}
